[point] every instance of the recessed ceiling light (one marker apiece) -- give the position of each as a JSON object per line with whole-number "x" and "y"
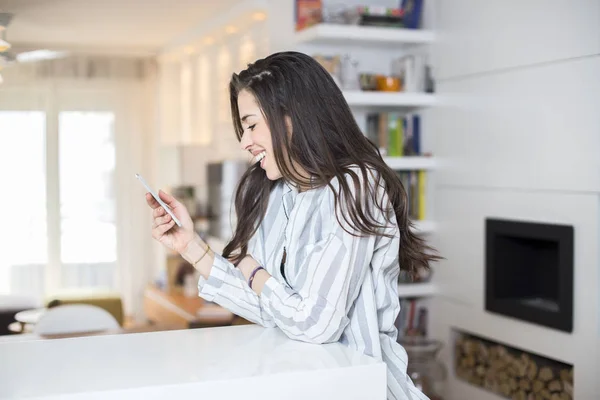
{"x": 230, "y": 29}
{"x": 208, "y": 40}
{"x": 40, "y": 55}
{"x": 189, "y": 50}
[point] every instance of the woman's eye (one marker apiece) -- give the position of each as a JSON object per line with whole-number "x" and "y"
{"x": 251, "y": 127}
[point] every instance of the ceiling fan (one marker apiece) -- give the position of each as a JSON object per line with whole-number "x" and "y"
{"x": 8, "y": 56}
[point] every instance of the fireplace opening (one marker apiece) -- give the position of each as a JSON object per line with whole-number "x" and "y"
{"x": 529, "y": 272}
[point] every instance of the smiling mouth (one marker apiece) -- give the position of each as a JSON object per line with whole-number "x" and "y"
{"x": 259, "y": 157}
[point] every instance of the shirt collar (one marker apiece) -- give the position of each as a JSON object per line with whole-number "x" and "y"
{"x": 289, "y": 187}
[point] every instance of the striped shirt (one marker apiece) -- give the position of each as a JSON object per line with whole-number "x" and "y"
{"x": 334, "y": 287}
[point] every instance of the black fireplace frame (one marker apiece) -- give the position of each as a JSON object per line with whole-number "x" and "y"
{"x": 563, "y": 235}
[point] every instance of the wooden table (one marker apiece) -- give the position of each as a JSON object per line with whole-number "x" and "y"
{"x": 175, "y": 309}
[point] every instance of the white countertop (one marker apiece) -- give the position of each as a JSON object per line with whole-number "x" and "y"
{"x": 240, "y": 362}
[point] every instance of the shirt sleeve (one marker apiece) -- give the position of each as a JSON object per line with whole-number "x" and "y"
{"x": 227, "y": 286}
{"x": 336, "y": 266}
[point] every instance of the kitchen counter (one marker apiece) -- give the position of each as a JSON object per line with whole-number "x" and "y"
{"x": 238, "y": 362}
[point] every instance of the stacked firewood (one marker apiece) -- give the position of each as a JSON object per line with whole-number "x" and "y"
{"x": 510, "y": 372}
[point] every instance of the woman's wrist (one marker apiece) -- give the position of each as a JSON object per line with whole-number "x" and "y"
{"x": 198, "y": 253}
{"x": 261, "y": 277}
{"x": 246, "y": 266}
{"x": 194, "y": 249}
{"x": 249, "y": 266}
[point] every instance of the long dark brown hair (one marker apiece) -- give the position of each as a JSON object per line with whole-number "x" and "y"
{"x": 325, "y": 142}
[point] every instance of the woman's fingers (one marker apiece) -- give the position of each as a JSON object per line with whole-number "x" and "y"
{"x": 158, "y": 212}
{"x": 161, "y": 226}
{"x": 151, "y": 201}
{"x": 162, "y": 220}
{"x": 165, "y": 227}
{"x": 168, "y": 199}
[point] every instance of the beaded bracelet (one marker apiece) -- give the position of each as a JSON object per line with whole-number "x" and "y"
{"x": 253, "y": 274}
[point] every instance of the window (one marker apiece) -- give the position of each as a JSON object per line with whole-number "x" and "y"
{"x": 23, "y": 181}
{"x": 87, "y": 199}
{"x": 83, "y": 183}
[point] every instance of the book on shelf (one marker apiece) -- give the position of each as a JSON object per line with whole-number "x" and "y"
{"x": 307, "y": 13}
{"x": 397, "y": 136}
{"x": 412, "y": 11}
{"x": 407, "y": 15}
{"x": 414, "y": 182}
{"x": 394, "y": 134}
{"x": 412, "y": 318}
{"x": 380, "y": 16}
{"x": 310, "y": 12}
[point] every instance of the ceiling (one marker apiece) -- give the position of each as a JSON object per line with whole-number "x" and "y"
{"x": 135, "y": 25}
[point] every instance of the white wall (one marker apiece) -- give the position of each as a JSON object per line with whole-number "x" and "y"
{"x": 205, "y": 133}
{"x": 519, "y": 134}
{"x": 224, "y": 144}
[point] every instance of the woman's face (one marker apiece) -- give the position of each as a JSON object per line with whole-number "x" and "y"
{"x": 257, "y": 137}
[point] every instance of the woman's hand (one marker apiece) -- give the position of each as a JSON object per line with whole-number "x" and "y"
{"x": 164, "y": 229}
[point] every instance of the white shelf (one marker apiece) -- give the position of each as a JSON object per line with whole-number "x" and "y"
{"x": 393, "y": 100}
{"x": 426, "y": 289}
{"x": 410, "y": 162}
{"x": 361, "y": 35}
{"x": 424, "y": 227}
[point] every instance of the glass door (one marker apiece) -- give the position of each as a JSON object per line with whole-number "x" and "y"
{"x": 24, "y": 239}
{"x": 88, "y": 231}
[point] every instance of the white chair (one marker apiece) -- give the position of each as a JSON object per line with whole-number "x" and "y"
{"x": 75, "y": 318}
{"x": 9, "y": 306}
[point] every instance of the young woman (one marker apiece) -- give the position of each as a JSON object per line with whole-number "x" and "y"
{"x": 322, "y": 222}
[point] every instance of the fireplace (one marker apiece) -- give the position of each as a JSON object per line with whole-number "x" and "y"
{"x": 529, "y": 272}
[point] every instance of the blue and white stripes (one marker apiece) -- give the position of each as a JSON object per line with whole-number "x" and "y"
{"x": 337, "y": 287}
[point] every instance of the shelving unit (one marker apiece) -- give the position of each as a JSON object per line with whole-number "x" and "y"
{"x": 425, "y": 227}
{"x": 409, "y": 163}
{"x": 353, "y": 38}
{"x": 329, "y": 34}
{"x": 389, "y": 100}
{"x": 408, "y": 290}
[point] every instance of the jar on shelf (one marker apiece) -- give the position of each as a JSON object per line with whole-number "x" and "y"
{"x": 426, "y": 371}
{"x": 349, "y": 73}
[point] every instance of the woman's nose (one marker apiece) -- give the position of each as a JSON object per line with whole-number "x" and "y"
{"x": 246, "y": 141}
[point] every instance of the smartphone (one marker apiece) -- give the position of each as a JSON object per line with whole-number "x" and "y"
{"x": 158, "y": 199}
